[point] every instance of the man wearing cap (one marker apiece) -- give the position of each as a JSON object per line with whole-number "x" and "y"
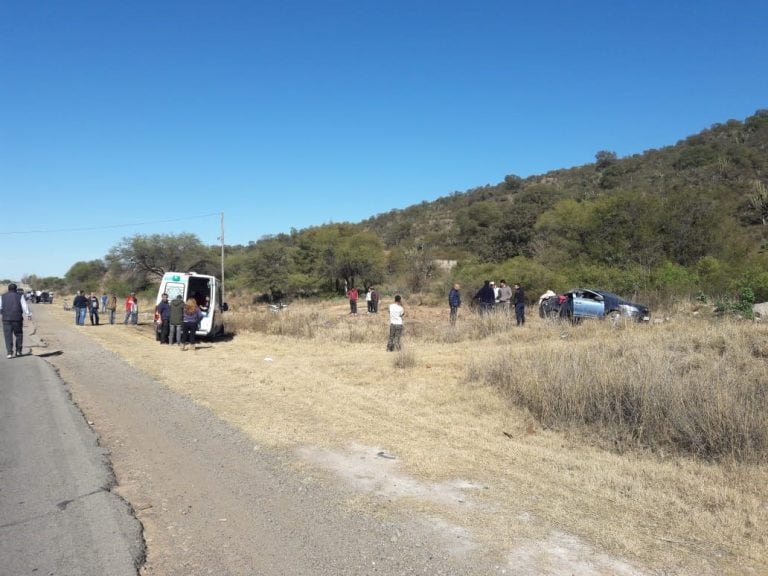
{"x": 13, "y": 308}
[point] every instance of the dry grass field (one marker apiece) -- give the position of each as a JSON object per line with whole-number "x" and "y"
{"x": 589, "y": 449}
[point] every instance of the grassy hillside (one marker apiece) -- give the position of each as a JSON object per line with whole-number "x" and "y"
{"x": 726, "y": 165}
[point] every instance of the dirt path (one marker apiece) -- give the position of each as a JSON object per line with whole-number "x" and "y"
{"x": 213, "y": 502}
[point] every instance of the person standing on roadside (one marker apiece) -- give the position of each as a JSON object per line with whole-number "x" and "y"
{"x": 131, "y": 309}
{"x": 13, "y": 308}
{"x": 519, "y": 300}
{"x": 369, "y": 300}
{"x": 163, "y": 309}
{"x": 80, "y": 304}
{"x": 104, "y": 299}
{"x": 396, "y": 313}
{"x": 93, "y": 308}
{"x": 112, "y": 307}
{"x": 454, "y": 303}
{"x": 128, "y": 307}
{"x": 176, "y": 319}
{"x": 192, "y": 317}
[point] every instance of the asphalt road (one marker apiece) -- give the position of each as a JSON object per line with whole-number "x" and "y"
{"x": 58, "y": 514}
{"x": 210, "y": 501}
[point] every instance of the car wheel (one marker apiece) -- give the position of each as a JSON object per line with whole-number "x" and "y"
{"x": 553, "y": 314}
{"x": 614, "y": 317}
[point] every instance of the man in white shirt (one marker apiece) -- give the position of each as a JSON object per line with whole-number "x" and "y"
{"x": 396, "y": 313}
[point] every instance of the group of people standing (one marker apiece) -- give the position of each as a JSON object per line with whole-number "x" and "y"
{"x": 90, "y": 305}
{"x": 491, "y": 298}
{"x": 371, "y": 300}
{"x": 177, "y": 321}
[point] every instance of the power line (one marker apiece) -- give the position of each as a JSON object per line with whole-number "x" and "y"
{"x": 108, "y": 227}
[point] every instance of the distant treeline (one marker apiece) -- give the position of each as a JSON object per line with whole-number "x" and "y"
{"x": 686, "y": 219}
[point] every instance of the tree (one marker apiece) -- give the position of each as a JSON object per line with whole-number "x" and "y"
{"x": 604, "y": 158}
{"x": 360, "y": 257}
{"x": 269, "y": 266}
{"x": 420, "y": 268}
{"x": 86, "y": 275}
{"x": 157, "y": 254}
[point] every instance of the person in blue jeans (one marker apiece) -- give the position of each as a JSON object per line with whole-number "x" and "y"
{"x": 80, "y": 304}
{"x": 192, "y": 316}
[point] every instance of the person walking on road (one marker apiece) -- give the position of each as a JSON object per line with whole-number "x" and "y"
{"x": 396, "y": 313}
{"x": 13, "y": 307}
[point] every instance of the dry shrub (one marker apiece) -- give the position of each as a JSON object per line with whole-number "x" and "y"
{"x": 309, "y": 322}
{"x": 697, "y": 386}
{"x": 404, "y": 359}
{"x": 700, "y": 388}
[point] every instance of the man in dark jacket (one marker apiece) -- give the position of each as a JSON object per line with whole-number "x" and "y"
{"x": 518, "y": 298}
{"x": 13, "y": 307}
{"x": 487, "y": 297}
{"x": 163, "y": 310}
{"x": 176, "y": 319}
{"x": 93, "y": 309}
{"x": 80, "y": 304}
{"x": 454, "y": 302}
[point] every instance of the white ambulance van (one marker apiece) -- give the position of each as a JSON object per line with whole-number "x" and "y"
{"x": 200, "y": 287}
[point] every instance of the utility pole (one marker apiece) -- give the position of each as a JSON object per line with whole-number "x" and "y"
{"x": 222, "y": 257}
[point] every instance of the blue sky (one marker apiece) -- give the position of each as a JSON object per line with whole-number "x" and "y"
{"x": 125, "y": 118}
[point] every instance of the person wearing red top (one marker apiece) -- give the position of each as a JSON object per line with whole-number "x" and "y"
{"x": 352, "y": 295}
{"x": 131, "y": 309}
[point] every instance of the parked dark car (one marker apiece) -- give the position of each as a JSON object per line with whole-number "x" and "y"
{"x": 588, "y": 303}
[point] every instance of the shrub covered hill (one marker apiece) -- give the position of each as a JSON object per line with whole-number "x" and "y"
{"x": 685, "y": 218}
